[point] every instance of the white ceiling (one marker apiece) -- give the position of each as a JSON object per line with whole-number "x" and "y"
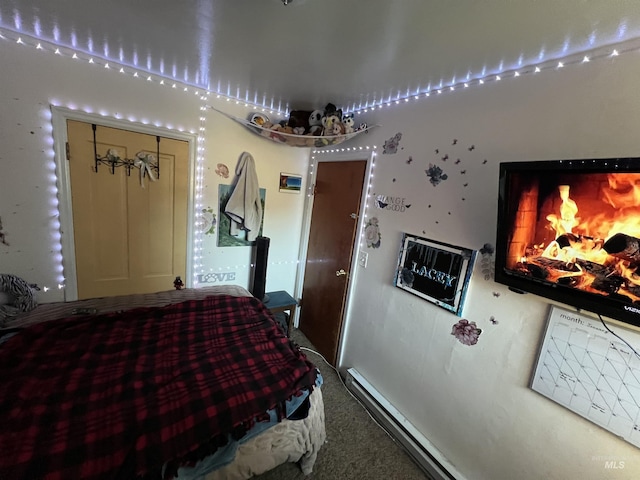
{"x": 352, "y": 53}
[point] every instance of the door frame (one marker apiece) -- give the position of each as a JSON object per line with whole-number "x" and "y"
{"x": 59, "y": 117}
{"x": 319, "y": 157}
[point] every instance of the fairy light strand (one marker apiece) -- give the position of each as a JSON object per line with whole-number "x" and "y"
{"x": 550, "y": 64}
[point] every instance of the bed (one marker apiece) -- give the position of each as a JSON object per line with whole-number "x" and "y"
{"x": 187, "y": 384}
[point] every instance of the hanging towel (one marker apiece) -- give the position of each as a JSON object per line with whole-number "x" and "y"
{"x": 244, "y": 207}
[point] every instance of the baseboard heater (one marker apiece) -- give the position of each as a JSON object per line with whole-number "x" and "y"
{"x": 415, "y": 444}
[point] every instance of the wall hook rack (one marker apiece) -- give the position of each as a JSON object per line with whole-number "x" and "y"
{"x": 144, "y": 161}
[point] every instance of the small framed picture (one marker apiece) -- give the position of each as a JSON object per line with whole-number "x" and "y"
{"x": 290, "y": 183}
{"x": 437, "y": 272}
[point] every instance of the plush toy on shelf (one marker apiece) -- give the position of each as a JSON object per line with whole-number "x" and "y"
{"x": 315, "y": 123}
{"x": 347, "y": 121}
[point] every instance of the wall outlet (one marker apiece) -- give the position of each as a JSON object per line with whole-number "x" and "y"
{"x": 363, "y": 257}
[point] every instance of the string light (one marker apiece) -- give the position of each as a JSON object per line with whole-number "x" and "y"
{"x": 200, "y": 151}
{"x": 109, "y": 63}
{"x": 548, "y": 64}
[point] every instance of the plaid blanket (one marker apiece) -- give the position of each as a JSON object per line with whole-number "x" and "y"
{"x": 118, "y": 395}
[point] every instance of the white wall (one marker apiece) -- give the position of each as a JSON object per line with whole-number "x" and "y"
{"x": 473, "y": 402}
{"x": 32, "y": 80}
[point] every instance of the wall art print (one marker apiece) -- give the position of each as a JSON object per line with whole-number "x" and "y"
{"x": 435, "y": 271}
{"x": 290, "y": 183}
{"x": 225, "y": 239}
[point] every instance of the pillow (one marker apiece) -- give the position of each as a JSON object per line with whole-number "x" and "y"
{"x": 22, "y": 298}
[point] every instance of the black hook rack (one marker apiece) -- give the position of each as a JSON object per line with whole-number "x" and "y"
{"x": 113, "y": 161}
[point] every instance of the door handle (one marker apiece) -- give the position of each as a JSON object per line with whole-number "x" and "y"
{"x": 340, "y": 272}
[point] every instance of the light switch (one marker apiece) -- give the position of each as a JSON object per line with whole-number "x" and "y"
{"x": 363, "y": 257}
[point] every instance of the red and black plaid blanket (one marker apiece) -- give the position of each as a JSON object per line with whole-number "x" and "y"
{"x": 118, "y": 395}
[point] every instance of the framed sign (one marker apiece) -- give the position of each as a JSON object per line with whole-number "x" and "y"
{"x": 437, "y": 272}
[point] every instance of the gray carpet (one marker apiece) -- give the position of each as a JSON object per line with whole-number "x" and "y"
{"x": 356, "y": 447}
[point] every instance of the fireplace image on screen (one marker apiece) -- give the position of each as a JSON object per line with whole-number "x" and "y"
{"x": 575, "y": 233}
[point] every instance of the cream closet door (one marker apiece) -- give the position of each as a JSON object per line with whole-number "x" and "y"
{"x": 128, "y": 239}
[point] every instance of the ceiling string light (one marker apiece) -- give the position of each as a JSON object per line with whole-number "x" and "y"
{"x": 551, "y": 64}
{"x": 135, "y": 72}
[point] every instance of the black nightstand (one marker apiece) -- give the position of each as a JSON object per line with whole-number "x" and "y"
{"x": 281, "y": 301}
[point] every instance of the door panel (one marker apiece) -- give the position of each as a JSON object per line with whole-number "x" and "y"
{"x": 128, "y": 238}
{"x": 332, "y": 235}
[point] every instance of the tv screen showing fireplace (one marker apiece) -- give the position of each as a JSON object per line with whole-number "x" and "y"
{"x": 569, "y": 230}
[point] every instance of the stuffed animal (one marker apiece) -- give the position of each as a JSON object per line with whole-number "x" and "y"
{"x": 347, "y": 121}
{"x": 315, "y": 123}
{"x": 330, "y": 109}
{"x": 299, "y": 120}
{"x": 328, "y": 123}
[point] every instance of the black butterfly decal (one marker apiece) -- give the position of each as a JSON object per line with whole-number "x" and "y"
{"x": 484, "y": 161}
{"x": 423, "y": 232}
{"x": 437, "y": 151}
{"x": 393, "y": 180}
{"x": 381, "y": 204}
{"x": 409, "y": 160}
{"x": 408, "y": 206}
{"x": 463, "y": 172}
{"x": 472, "y": 147}
{"x": 493, "y": 321}
{"x": 496, "y": 294}
{"x": 455, "y": 140}
{"x": 429, "y": 206}
{"x": 457, "y": 161}
{"x": 466, "y": 184}
{"x": 463, "y": 199}
{"x": 445, "y": 158}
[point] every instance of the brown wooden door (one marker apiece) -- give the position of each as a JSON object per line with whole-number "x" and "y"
{"x": 333, "y": 229}
{"x": 128, "y": 238}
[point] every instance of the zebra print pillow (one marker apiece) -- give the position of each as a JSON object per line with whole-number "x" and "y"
{"x": 20, "y": 296}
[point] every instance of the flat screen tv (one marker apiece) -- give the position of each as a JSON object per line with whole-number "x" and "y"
{"x": 569, "y": 230}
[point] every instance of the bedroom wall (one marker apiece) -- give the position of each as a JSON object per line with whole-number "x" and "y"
{"x": 33, "y": 80}
{"x": 473, "y": 402}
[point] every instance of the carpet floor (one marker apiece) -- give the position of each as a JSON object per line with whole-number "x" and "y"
{"x": 356, "y": 447}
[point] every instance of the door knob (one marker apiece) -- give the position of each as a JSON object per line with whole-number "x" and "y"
{"x": 340, "y": 272}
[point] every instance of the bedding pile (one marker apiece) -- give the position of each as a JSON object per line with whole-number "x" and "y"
{"x": 140, "y": 388}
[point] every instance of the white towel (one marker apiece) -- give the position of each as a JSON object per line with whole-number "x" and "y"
{"x": 244, "y": 207}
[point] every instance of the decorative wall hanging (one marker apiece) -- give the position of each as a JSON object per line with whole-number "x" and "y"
{"x": 394, "y": 204}
{"x": 279, "y": 135}
{"x": 222, "y": 170}
{"x": 466, "y": 332}
{"x": 372, "y": 233}
{"x": 215, "y": 277}
{"x": 225, "y": 239}
{"x": 487, "y": 261}
{"x": 435, "y": 174}
{"x": 290, "y": 183}
{"x": 147, "y": 163}
{"x": 435, "y": 271}
{"x": 208, "y": 220}
{"x": 390, "y": 147}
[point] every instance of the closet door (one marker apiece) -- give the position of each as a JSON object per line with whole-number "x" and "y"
{"x": 129, "y": 233}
